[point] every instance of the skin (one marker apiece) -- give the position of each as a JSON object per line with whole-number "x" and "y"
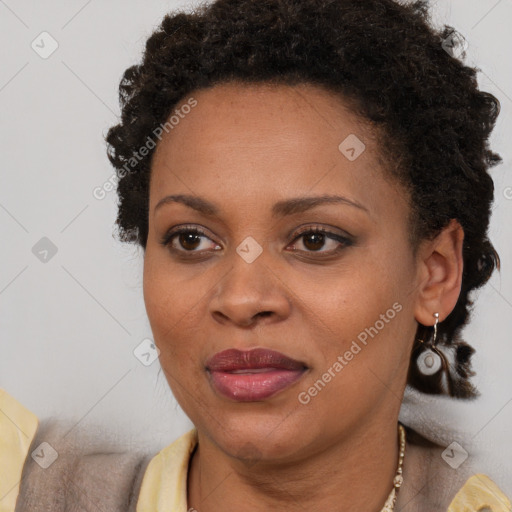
{"x": 244, "y": 148}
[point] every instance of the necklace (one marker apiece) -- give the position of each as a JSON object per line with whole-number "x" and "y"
{"x": 389, "y": 506}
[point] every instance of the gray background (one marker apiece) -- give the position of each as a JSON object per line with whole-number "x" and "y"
{"x": 69, "y": 325}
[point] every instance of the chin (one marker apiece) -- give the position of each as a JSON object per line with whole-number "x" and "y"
{"x": 255, "y": 435}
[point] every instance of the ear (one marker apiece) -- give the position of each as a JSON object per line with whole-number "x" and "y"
{"x": 440, "y": 266}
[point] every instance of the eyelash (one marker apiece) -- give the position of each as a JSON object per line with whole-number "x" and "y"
{"x": 343, "y": 240}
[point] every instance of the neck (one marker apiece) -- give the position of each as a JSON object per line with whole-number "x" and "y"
{"x": 356, "y": 473}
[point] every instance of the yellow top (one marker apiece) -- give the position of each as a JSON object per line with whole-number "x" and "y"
{"x": 480, "y": 494}
{"x": 164, "y": 486}
{"x": 17, "y": 429}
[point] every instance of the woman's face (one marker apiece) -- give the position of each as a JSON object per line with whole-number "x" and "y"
{"x": 338, "y": 305}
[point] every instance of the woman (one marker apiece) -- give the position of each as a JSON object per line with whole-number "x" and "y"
{"x": 309, "y": 183}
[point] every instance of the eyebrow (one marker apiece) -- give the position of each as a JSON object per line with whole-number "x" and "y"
{"x": 280, "y": 209}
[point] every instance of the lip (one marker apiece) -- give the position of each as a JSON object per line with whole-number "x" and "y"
{"x": 252, "y": 375}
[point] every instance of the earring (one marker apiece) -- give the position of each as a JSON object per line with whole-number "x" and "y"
{"x": 441, "y": 365}
{"x": 430, "y": 360}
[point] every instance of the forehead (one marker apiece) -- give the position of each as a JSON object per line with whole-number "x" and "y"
{"x": 306, "y": 112}
{"x": 260, "y": 140}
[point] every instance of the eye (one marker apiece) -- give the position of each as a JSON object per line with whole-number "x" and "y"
{"x": 315, "y": 238}
{"x": 191, "y": 239}
{"x": 187, "y": 239}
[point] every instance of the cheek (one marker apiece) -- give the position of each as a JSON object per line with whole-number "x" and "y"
{"x": 169, "y": 301}
{"x": 363, "y": 315}
{"x": 352, "y": 298}
{"x": 170, "y": 304}
{"x": 359, "y": 350}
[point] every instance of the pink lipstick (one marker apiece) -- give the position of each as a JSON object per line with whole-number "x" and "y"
{"x": 253, "y": 375}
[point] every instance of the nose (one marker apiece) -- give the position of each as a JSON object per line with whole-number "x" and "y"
{"x": 249, "y": 294}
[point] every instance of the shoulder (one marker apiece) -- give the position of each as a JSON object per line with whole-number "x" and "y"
{"x": 53, "y": 465}
{"x": 444, "y": 479}
{"x": 77, "y": 469}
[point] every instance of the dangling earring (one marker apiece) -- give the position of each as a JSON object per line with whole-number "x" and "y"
{"x": 430, "y": 360}
{"x": 441, "y": 365}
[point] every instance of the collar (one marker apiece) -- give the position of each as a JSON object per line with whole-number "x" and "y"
{"x": 164, "y": 486}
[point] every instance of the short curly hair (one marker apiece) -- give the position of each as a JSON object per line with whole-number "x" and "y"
{"x": 383, "y": 58}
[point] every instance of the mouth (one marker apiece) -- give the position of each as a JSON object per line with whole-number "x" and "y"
{"x": 253, "y": 375}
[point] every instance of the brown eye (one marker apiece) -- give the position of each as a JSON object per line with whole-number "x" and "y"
{"x": 187, "y": 240}
{"x": 315, "y": 239}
